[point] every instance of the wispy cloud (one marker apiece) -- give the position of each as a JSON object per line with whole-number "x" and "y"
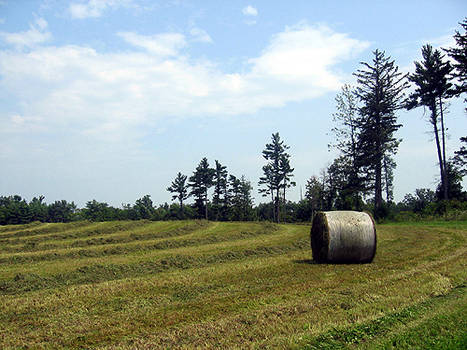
{"x": 117, "y": 96}
{"x": 36, "y": 34}
{"x": 250, "y": 11}
{"x": 165, "y": 44}
{"x": 95, "y": 8}
{"x": 200, "y": 35}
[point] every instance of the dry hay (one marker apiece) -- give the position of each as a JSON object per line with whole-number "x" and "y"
{"x": 343, "y": 237}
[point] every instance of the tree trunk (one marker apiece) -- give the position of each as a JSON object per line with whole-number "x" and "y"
{"x": 445, "y": 185}
{"x": 285, "y": 203}
{"x": 273, "y": 206}
{"x": 277, "y": 206}
{"x": 378, "y": 186}
{"x": 378, "y": 167}
{"x": 206, "y": 205}
{"x": 438, "y": 148}
{"x": 386, "y": 179}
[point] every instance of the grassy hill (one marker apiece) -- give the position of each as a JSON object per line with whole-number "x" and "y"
{"x": 188, "y": 284}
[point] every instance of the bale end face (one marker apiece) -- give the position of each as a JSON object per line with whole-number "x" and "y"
{"x": 320, "y": 238}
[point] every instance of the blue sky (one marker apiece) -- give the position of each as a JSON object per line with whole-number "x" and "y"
{"x": 108, "y": 100}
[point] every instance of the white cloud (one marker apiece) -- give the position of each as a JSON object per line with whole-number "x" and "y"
{"x": 36, "y": 34}
{"x": 95, "y": 8}
{"x": 165, "y": 44}
{"x": 200, "y": 35}
{"x": 305, "y": 55}
{"x": 116, "y": 96}
{"x": 250, "y": 11}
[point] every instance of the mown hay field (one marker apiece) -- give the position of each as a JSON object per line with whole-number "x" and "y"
{"x": 198, "y": 284}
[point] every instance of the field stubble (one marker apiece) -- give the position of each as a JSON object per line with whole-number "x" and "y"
{"x": 197, "y": 284}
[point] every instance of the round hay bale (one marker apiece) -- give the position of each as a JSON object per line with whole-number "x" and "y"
{"x": 343, "y": 237}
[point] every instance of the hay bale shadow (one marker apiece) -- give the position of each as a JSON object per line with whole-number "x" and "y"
{"x": 312, "y": 262}
{"x": 305, "y": 261}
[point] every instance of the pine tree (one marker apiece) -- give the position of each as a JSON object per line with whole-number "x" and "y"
{"x": 246, "y": 199}
{"x": 219, "y": 199}
{"x": 200, "y": 182}
{"x": 459, "y": 56}
{"x": 287, "y": 174}
{"x": 241, "y": 203}
{"x": 270, "y": 184}
{"x": 431, "y": 88}
{"x": 179, "y": 188}
{"x": 277, "y": 172}
{"x": 380, "y": 90}
{"x": 235, "y": 202}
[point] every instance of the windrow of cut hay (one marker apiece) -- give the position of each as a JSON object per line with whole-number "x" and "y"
{"x": 226, "y": 285}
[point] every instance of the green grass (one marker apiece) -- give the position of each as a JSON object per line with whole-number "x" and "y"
{"x": 197, "y": 284}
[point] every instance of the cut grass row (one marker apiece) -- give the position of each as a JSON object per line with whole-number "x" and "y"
{"x": 261, "y": 291}
{"x": 442, "y": 321}
{"x": 73, "y": 231}
{"x": 185, "y": 236}
{"x": 151, "y": 231}
{"x": 115, "y": 239}
{"x": 135, "y": 260}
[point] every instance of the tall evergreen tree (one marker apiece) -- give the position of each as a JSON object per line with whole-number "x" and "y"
{"x": 459, "y": 56}
{"x": 241, "y": 203}
{"x": 388, "y": 177}
{"x": 431, "y": 88}
{"x": 270, "y": 185}
{"x": 179, "y": 188}
{"x": 247, "y": 200}
{"x": 277, "y": 172}
{"x": 219, "y": 199}
{"x": 381, "y": 91}
{"x": 287, "y": 174}
{"x": 234, "y": 198}
{"x": 38, "y": 209}
{"x": 200, "y": 182}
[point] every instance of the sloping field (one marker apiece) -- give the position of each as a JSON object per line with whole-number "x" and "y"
{"x": 197, "y": 284}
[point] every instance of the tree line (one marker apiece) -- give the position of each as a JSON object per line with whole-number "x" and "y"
{"x": 366, "y": 123}
{"x": 359, "y": 178}
{"x": 231, "y": 199}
